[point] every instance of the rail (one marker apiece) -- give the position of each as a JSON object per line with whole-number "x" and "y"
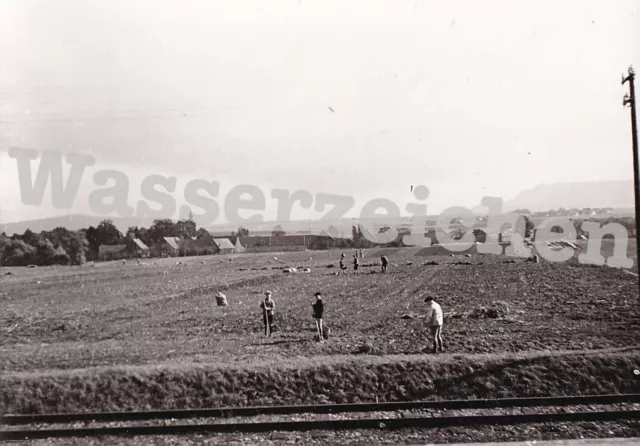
{"x": 302, "y": 426}
{"x": 362, "y": 423}
{"x": 320, "y": 408}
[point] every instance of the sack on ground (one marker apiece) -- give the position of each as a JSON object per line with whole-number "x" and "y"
{"x": 221, "y": 300}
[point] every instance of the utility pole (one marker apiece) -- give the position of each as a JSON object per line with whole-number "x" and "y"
{"x": 630, "y": 101}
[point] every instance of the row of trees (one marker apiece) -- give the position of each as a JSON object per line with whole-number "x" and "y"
{"x": 456, "y": 230}
{"x": 106, "y": 233}
{"x": 60, "y": 246}
{"x": 64, "y": 247}
{"x": 166, "y": 228}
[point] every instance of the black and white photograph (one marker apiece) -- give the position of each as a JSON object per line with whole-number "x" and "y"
{"x": 306, "y": 222}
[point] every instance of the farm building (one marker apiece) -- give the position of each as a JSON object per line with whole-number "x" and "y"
{"x": 167, "y": 246}
{"x": 231, "y": 235}
{"x": 199, "y": 246}
{"x": 207, "y": 245}
{"x": 224, "y": 245}
{"x": 252, "y": 242}
{"x": 137, "y": 247}
{"x": 173, "y": 242}
{"x": 336, "y": 233}
{"x": 321, "y": 241}
{"x": 111, "y": 252}
{"x": 291, "y": 242}
{"x": 275, "y": 243}
{"x": 132, "y": 248}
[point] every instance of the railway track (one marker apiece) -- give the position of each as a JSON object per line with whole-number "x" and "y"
{"x": 534, "y": 415}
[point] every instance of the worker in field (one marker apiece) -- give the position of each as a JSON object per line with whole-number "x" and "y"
{"x": 435, "y": 319}
{"x": 267, "y": 306}
{"x": 356, "y": 263}
{"x": 318, "y": 310}
{"x": 385, "y": 262}
{"x": 343, "y": 267}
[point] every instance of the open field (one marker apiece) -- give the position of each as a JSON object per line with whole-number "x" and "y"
{"x": 132, "y": 320}
{"x": 116, "y": 314}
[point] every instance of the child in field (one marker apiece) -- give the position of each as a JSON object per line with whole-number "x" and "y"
{"x": 267, "y": 306}
{"x": 356, "y": 263}
{"x": 385, "y": 262}
{"x": 434, "y": 322}
{"x": 318, "y": 310}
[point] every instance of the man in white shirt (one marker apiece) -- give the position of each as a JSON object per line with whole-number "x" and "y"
{"x": 434, "y": 322}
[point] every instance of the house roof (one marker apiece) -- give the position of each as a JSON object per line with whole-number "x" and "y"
{"x": 172, "y": 241}
{"x": 139, "y": 244}
{"x": 223, "y": 243}
{"x": 325, "y": 234}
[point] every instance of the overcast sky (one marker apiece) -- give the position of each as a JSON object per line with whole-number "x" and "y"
{"x": 469, "y": 98}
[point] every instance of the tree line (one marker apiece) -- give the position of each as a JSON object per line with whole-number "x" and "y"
{"x": 62, "y": 246}
{"x": 58, "y": 247}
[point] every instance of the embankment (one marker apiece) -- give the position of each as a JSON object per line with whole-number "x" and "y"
{"x": 320, "y": 380}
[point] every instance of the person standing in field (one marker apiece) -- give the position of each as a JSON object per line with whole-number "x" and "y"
{"x": 356, "y": 263}
{"x": 267, "y": 306}
{"x": 318, "y": 310}
{"x": 434, "y": 322}
{"x": 343, "y": 267}
{"x": 385, "y": 262}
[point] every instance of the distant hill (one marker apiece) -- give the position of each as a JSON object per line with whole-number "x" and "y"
{"x": 614, "y": 194}
{"x": 340, "y": 228}
{"x": 71, "y": 222}
{"x": 596, "y": 194}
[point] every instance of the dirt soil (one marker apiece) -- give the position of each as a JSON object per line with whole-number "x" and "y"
{"x": 151, "y": 335}
{"x": 113, "y": 314}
